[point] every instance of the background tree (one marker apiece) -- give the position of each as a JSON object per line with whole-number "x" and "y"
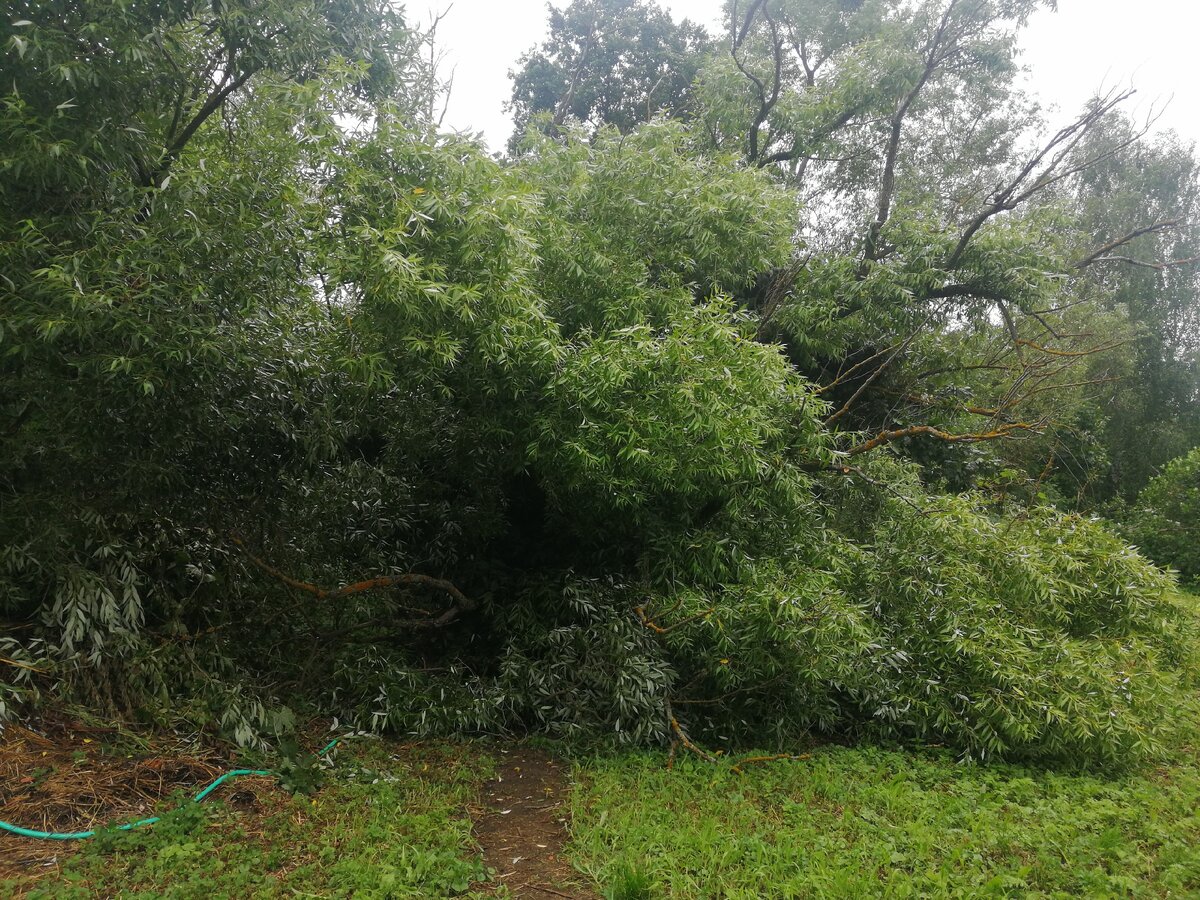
{"x": 613, "y": 62}
{"x": 1149, "y": 198}
{"x": 947, "y": 253}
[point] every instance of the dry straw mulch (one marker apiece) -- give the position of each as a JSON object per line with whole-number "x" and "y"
{"x": 67, "y": 777}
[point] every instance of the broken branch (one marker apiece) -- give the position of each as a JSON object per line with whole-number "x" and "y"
{"x": 462, "y": 602}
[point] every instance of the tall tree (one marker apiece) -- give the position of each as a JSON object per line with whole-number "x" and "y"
{"x": 1142, "y": 209}
{"x": 613, "y": 62}
{"x": 928, "y": 297}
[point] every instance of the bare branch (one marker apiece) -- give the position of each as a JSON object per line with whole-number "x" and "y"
{"x": 886, "y": 437}
{"x": 1050, "y": 351}
{"x": 849, "y": 373}
{"x": 1099, "y": 253}
{"x": 1147, "y": 264}
{"x": 949, "y": 370}
{"x": 874, "y": 375}
{"x": 1052, "y": 154}
{"x": 462, "y": 602}
{"x": 1063, "y": 385}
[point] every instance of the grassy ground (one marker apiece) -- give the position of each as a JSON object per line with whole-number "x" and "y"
{"x": 841, "y": 823}
{"x": 390, "y": 823}
{"x": 870, "y": 823}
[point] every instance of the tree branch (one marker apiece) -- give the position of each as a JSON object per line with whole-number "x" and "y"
{"x": 1100, "y": 253}
{"x": 1146, "y": 264}
{"x": 740, "y": 35}
{"x": 462, "y": 602}
{"x": 1009, "y": 197}
{"x": 765, "y": 103}
{"x": 874, "y": 375}
{"x": 211, "y": 105}
{"x": 887, "y": 187}
{"x": 886, "y": 437}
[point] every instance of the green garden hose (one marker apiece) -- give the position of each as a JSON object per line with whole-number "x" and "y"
{"x": 79, "y": 835}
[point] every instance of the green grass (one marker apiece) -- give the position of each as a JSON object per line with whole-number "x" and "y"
{"x": 382, "y": 826}
{"x": 844, "y": 822}
{"x": 870, "y": 822}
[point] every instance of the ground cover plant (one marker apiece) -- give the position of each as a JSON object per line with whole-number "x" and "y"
{"x": 846, "y": 822}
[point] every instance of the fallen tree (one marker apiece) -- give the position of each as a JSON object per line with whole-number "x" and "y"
{"x": 546, "y": 388}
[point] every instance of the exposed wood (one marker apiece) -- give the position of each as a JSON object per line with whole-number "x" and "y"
{"x": 462, "y": 602}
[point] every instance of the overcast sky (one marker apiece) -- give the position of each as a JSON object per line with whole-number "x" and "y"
{"x": 1087, "y": 44}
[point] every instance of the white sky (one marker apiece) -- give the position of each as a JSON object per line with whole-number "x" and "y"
{"x": 1086, "y": 45}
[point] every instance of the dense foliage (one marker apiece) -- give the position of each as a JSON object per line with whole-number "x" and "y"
{"x": 636, "y": 441}
{"x": 1165, "y": 522}
{"x": 608, "y": 62}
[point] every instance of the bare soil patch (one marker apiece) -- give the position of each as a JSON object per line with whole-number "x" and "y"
{"x": 523, "y": 828}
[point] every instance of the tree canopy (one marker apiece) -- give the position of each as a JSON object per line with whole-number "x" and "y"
{"x": 608, "y": 62}
{"x": 779, "y": 404}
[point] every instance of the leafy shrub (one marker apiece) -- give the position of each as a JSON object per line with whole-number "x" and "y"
{"x": 1036, "y": 636}
{"x": 1040, "y": 635}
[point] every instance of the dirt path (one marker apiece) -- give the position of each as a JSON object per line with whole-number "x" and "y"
{"x": 524, "y": 827}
